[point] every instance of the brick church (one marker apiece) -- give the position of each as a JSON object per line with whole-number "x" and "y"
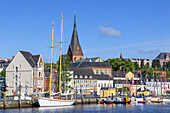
{"x": 74, "y": 51}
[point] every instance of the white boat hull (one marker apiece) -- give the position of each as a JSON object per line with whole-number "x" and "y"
{"x": 55, "y": 102}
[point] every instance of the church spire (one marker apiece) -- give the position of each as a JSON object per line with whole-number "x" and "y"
{"x": 74, "y": 19}
{"x": 74, "y": 51}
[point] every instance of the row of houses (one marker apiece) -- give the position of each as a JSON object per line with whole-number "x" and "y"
{"x": 89, "y": 75}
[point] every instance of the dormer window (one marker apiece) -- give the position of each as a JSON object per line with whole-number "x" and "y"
{"x": 90, "y": 76}
{"x": 76, "y": 76}
{"x": 81, "y": 76}
{"x": 86, "y": 76}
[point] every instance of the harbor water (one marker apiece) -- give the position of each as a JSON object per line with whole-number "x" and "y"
{"x": 96, "y": 108}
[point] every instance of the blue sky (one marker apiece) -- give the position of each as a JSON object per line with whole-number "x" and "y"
{"x": 137, "y": 29}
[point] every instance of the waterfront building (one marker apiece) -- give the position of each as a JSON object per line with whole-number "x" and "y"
{"x": 87, "y": 83}
{"x": 154, "y": 85}
{"x": 74, "y": 51}
{"x": 25, "y": 70}
{"x": 138, "y": 60}
{"x": 47, "y": 79}
{"x": 162, "y": 58}
{"x": 99, "y": 68}
{"x": 127, "y": 79}
{"x": 2, "y": 83}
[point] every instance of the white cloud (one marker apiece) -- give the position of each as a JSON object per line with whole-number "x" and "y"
{"x": 108, "y": 31}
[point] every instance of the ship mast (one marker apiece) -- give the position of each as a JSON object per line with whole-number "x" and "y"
{"x": 60, "y": 54}
{"x": 51, "y": 57}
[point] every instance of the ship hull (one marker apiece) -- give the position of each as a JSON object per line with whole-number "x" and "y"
{"x": 55, "y": 102}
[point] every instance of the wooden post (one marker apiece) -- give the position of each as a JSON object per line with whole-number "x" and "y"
{"x": 137, "y": 83}
{"x": 4, "y": 101}
{"x": 146, "y": 82}
{"x": 161, "y": 85}
{"x": 154, "y": 82}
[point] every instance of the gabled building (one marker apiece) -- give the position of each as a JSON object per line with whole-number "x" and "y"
{"x": 74, "y": 51}
{"x": 137, "y": 60}
{"x": 99, "y": 68}
{"x": 162, "y": 58}
{"x": 87, "y": 83}
{"x": 25, "y": 70}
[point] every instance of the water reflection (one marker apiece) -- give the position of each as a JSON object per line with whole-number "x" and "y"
{"x": 98, "y": 108}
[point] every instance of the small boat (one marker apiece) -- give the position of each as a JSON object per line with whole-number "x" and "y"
{"x": 102, "y": 101}
{"x": 141, "y": 100}
{"x": 120, "y": 101}
{"x": 109, "y": 101}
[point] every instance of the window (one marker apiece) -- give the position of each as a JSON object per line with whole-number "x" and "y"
{"x": 20, "y": 66}
{"x": 81, "y": 85}
{"x": 90, "y": 77}
{"x": 105, "y": 72}
{"x": 94, "y": 81}
{"x": 109, "y": 72}
{"x": 81, "y": 81}
{"x": 98, "y": 84}
{"x": 16, "y": 69}
{"x": 91, "y": 81}
{"x": 94, "y": 86}
{"x": 91, "y": 86}
{"x": 13, "y": 66}
{"x": 97, "y": 71}
{"x": 101, "y": 72}
{"x": 81, "y": 76}
{"x": 85, "y": 76}
{"x": 76, "y": 76}
{"x": 19, "y": 75}
{"x": 74, "y": 58}
{"x": 39, "y": 74}
{"x": 101, "y": 84}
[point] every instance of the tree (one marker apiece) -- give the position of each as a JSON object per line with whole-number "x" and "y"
{"x": 3, "y": 73}
{"x": 156, "y": 64}
{"x": 136, "y": 66}
{"x": 125, "y": 65}
{"x": 66, "y": 65}
{"x": 142, "y": 63}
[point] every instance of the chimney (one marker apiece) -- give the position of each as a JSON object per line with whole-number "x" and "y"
{"x": 13, "y": 57}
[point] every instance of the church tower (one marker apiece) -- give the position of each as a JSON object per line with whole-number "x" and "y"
{"x": 74, "y": 51}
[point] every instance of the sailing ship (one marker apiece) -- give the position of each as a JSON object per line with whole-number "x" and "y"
{"x": 52, "y": 102}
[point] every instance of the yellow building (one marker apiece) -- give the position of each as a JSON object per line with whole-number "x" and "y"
{"x": 106, "y": 92}
{"x": 139, "y": 91}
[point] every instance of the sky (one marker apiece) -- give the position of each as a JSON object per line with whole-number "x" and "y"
{"x": 135, "y": 28}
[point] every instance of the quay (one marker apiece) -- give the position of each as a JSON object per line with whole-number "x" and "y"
{"x": 28, "y": 104}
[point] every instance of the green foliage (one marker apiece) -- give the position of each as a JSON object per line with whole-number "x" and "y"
{"x": 125, "y": 65}
{"x": 49, "y": 65}
{"x": 65, "y": 73}
{"x": 156, "y": 64}
{"x": 136, "y": 66}
{"x": 3, "y": 73}
{"x": 142, "y": 63}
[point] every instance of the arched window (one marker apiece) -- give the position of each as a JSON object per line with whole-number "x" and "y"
{"x": 39, "y": 74}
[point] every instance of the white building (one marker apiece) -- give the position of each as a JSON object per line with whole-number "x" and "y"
{"x": 26, "y": 70}
{"x": 151, "y": 83}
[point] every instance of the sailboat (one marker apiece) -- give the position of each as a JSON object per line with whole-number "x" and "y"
{"x": 52, "y": 102}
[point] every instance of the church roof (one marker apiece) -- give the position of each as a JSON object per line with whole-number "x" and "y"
{"x": 74, "y": 40}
